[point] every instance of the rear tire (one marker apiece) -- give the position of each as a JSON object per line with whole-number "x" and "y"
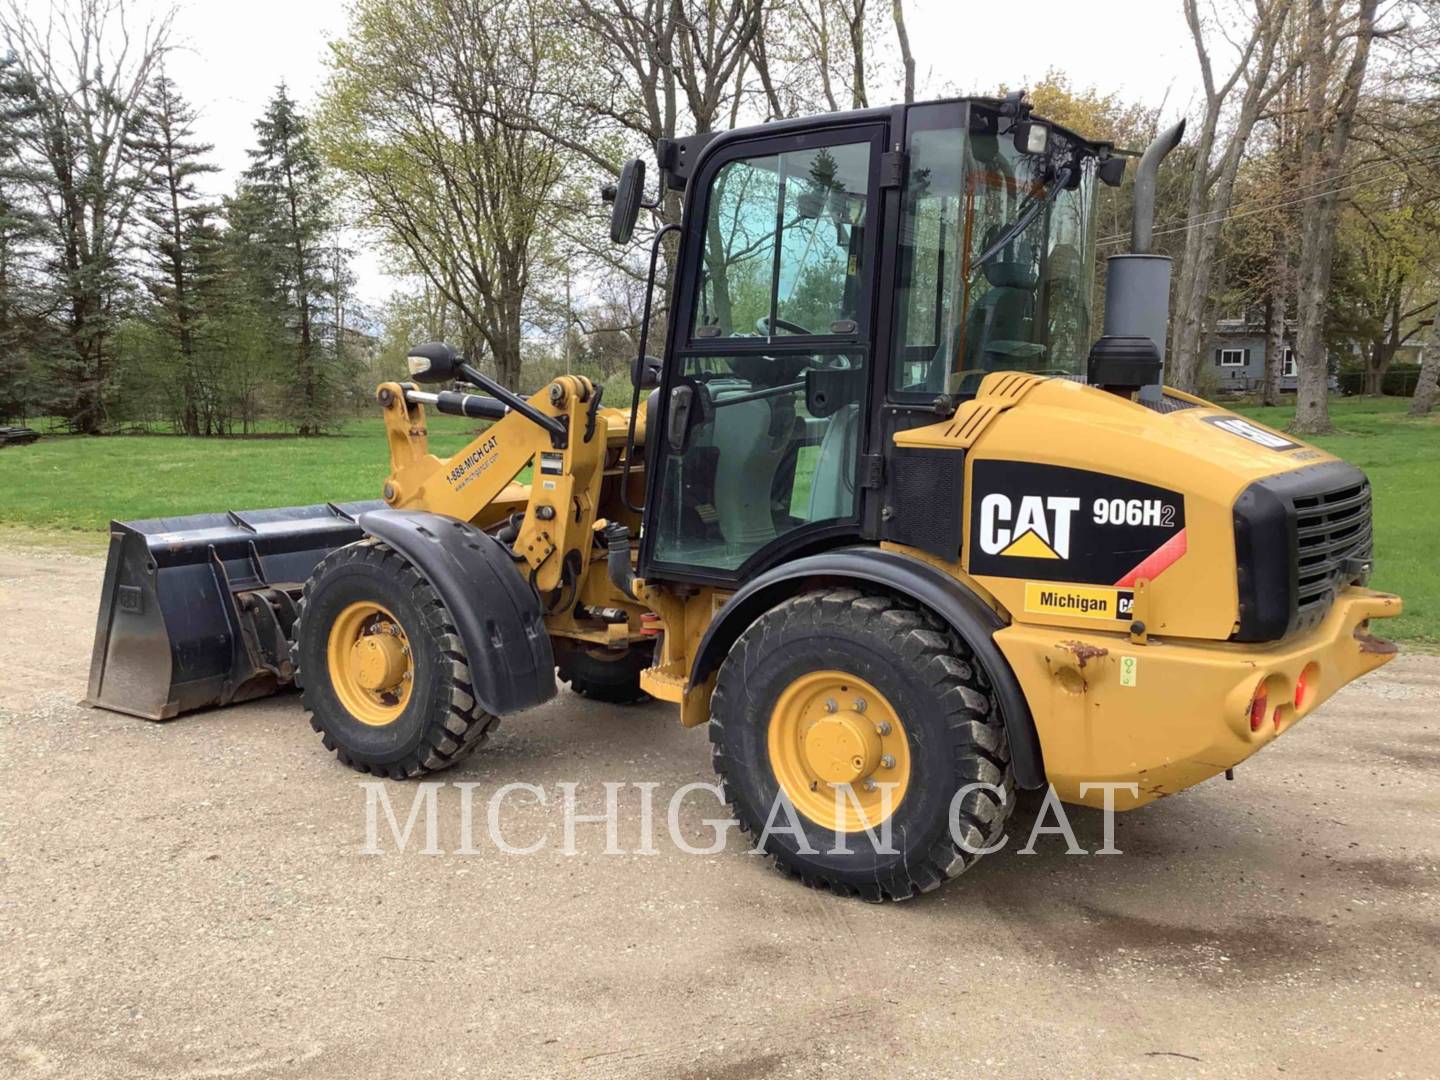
{"x": 604, "y": 676}
{"x": 950, "y": 734}
{"x": 426, "y": 726}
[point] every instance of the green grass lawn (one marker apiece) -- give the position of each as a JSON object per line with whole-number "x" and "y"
{"x": 70, "y": 482}
{"x": 75, "y": 485}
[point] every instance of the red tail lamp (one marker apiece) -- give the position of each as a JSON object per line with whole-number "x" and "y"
{"x": 1305, "y": 684}
{"x": 1257, "y": 707}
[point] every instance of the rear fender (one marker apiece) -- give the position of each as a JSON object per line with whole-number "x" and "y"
{"x": 495, "y": 609}
{"x": 950, "y": 600}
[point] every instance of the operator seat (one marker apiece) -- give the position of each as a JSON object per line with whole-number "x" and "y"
{"x": 1000, "y": 329}
{"x": 832, "y": 488}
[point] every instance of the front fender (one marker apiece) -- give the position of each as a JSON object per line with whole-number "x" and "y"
{"x": 494, "y": 608}
{"x": 949, "y": 599}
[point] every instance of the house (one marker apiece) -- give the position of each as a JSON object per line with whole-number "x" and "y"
{"x": 1235, "y": 351}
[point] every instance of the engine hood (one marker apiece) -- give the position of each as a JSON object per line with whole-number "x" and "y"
{"x": 1085, "y": 509}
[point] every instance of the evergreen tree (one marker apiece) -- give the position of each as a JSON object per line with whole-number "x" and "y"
{"x": 84, "y": 72}
{"x": 181, "y": 244}
{"x": 20, "y": 227}
{"x": 284, "y": 195}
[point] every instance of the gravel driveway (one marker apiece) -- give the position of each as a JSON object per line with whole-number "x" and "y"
{"x": 190, "y": 900}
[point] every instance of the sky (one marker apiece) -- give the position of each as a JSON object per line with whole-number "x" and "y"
{"x": 230, "y": 56}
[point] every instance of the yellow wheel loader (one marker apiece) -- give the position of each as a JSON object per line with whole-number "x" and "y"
{"x": 913, "y": 530}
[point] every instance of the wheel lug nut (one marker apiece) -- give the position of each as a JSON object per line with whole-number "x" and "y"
{"x": 870, "y": 785}
{"x": 830, "y": 705}
{"x": 887, "y": 761}
{"x": 861, "y": 704}
{"x": 883, "y": 727}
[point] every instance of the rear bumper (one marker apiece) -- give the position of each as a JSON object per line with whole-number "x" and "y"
{"x": 1169, "y": 714}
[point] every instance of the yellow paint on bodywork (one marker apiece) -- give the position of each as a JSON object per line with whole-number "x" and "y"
{"x": 1179, "y": 711}
{"x": 560, "y": 505}
{"x": 1059, "y": 422}
{"x": 1164, "y": 707}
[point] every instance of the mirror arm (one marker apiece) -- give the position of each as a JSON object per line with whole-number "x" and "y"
{"x": 660, "y": 235}
{"x": 557, "y": 429}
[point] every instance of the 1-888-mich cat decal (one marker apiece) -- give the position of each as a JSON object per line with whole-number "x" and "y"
{"x": 1050, "y": 523}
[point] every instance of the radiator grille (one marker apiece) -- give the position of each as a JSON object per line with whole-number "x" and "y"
{"x": 924, "y": 489}
{"x": 1332, "y": 543}
{"x": 1300, "y": 538}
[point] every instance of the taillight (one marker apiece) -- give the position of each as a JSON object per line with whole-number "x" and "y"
{"x": 1257, "y": 707}
{"x": 1305, "y": 685}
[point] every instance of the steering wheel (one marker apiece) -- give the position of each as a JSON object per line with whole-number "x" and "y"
{"x": 762, "y": 326}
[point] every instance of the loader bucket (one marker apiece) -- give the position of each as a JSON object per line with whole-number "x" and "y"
{"x": 198, "y": 610}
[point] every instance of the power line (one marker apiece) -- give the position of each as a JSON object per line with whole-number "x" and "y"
{"x": 1241, "y": 209}
{"x": 1420, "y": 156}
{"x": 1394, "y": 167}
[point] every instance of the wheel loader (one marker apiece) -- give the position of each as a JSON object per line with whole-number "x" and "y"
{"x": 896, "y": 515}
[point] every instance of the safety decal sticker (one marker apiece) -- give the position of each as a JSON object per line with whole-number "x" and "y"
{"x": 1237, "y": 425}
{"x": 1052, "y": 523}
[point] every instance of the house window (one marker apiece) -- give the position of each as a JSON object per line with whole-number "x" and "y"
{"x": 1287, "y": 363}
{"x": 1232, "y": 357}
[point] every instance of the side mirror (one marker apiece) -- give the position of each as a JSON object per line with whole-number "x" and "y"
{"x": 645, "y": 372}
{"x": 628, "y": 191}
{"x": 1111, "y": 171}
{"x": 433, "y": 362}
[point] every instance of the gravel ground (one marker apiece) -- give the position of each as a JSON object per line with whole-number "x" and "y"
{"x": 190, "y": 900}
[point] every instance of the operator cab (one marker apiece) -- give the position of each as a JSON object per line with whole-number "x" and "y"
{"x": 833, "y": 288}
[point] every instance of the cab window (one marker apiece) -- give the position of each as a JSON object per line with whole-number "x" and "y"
{"x": 975, "y": 295}
{"x": 785, "y": 247}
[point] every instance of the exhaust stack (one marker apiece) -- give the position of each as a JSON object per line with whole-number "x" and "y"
{"x": 1137, "y": 293}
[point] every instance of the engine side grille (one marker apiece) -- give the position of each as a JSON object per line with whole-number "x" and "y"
{"x": 1332, "y": 543}
{"x": 1300, "y": 537}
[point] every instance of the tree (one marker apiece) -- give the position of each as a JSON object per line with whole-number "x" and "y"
{"x": 181, "y": 244}
{"x": 1332, "y": 27}
{"x": 20, "y": 228}
{"x": 1427, "y": 387}
{"x": 83, "y": 76}
{"x": 1256, "y": 41}
{"x": 284, "y": 204}
{"x": 442, "y": 167}
{"x": 907, "y": 58}
{"x": 1382, "y": 279}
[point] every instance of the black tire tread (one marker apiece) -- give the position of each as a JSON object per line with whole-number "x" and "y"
{"x": 615, "y": 682}
{"x": 465, "y": 726}
{"x": 972, "y": 714}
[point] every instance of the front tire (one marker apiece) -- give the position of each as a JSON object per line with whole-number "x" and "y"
{"x": 836, "y": 688}
{"x": 384, "y": 672}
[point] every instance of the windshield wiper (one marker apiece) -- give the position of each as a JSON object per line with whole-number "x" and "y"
{"x": 1023, "y": 221}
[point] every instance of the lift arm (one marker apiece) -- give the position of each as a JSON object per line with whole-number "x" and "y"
{"x": 477, "y": 484}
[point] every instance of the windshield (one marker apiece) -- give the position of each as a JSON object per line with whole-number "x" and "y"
{"x": 1028, "y": 306}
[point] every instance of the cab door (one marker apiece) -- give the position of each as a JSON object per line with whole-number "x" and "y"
{"x": 762, "y": 416}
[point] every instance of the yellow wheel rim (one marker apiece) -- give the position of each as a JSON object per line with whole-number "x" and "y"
{"x": 370, "y": 664}
{"x": 839, "y": 751}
